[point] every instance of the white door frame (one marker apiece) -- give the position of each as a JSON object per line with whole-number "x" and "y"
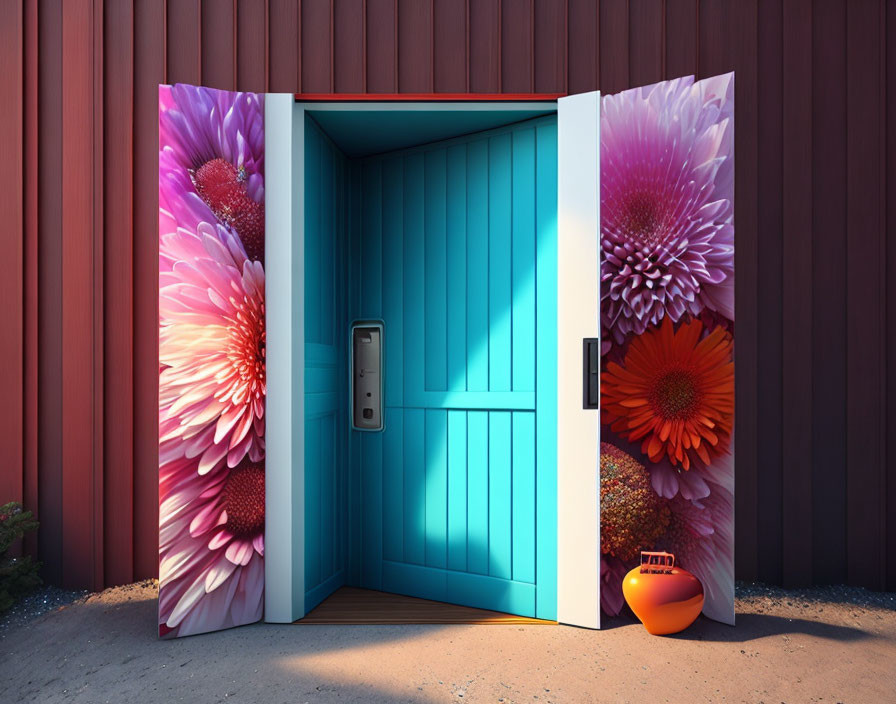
{"x": 578, "y": 549}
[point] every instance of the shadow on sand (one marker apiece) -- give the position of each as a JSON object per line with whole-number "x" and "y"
{"x": 750, "y": 626}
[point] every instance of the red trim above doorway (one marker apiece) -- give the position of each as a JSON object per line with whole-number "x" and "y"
{"x": 426, "y": 97}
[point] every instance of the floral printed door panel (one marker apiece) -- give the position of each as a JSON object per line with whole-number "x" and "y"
{"x": 667, "y": 329}
{"x": 211, "y": 359}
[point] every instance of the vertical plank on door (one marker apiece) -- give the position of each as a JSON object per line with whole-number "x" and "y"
{"x": 372, "y": 511}
{"x": 326, "y": 261}
{"x": 477, "y": 266}
{"x": 327, "y": 469}
{"x": 436, "y": 453}
{"x": 500, "y": 292}
{"x": 523, "y": 496}
{"x": 314, "y": 147}
{"x": 456, "y": 265}
{"x": 313, "y": 458}
{"x": 393, "y": 288}
{"x": 477, "y": 492}
{"x": 457, "y": 490}
{"x": 435, "y": 256}
{"x": 393, "y": 485}
{"x": 523, "y": 260}
{"x": 414, "y": 487}
{"x": 371, "y": 280}
{"x": 546, "y": 370}
{"x": 500, "y": 546}
{"x": 413, "y": 279}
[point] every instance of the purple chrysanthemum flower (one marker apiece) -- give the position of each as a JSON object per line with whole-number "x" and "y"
{"x": 667, "y": 194}
{"x": 211, "y": 159}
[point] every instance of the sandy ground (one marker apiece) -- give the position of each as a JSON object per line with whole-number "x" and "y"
{"x": 787, "y": 647}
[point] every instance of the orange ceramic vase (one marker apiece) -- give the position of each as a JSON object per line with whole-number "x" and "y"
{"x": 667, "y": 599}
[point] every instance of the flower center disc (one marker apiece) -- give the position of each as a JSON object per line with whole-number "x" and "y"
{"x": 223, "y": 188}
{"x": 675, "y": 395}
{"x": 641, "y": 218}
{"x": 244, "y": 500}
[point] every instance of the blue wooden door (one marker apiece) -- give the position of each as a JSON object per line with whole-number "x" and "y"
{"x": 454, "y": 248}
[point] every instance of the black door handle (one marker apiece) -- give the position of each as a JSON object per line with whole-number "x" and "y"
{"x": 591, "y": 373}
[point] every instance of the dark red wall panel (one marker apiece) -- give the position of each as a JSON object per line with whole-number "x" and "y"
{"x": 317, "y": 46}
{"x": 415, "y": 46}
{"x": 485, "y": 46}
{"x": 118, "y": 265}
{"x": 767, "y": 514}
{"x": 815, "y": 136}
{"x": 829, "y": 125}
{"x": 746, "y": 255}
{"x": 348, "y": 45}
{"x": 450, "y": 51}
{"x": 865, "y": 314}
{"x": 12, "y": 287}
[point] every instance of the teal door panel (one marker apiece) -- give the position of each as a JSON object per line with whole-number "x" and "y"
{"x": 454, "y": 248}
{"x": 326, "y": 394}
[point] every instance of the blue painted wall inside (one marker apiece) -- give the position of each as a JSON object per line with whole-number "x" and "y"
{"x": 453, "y": 246}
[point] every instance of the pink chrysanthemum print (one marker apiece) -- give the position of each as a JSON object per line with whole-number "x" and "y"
{"x": 211, "y": 359}
{"x": 667, "y": 195}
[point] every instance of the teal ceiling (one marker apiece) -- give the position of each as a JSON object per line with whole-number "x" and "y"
{"x": 364, "y": 132}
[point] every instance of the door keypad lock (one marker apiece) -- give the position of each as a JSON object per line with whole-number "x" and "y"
{"x": 367, "y": 375}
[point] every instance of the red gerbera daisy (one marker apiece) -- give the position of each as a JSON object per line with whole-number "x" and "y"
{"x": 675, "y": 392}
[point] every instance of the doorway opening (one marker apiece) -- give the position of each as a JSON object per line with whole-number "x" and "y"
{"x": 439, "y": 222}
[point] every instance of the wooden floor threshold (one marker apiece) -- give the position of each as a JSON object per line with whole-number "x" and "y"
{"x": 353, "y": 606}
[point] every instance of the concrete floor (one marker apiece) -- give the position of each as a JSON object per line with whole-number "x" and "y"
{"x": 786, "y": 648}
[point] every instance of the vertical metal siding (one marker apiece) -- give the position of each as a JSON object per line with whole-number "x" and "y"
{"x": 816, "y": 472}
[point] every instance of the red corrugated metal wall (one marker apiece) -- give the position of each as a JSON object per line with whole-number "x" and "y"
{"x": 816, "y": 150}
